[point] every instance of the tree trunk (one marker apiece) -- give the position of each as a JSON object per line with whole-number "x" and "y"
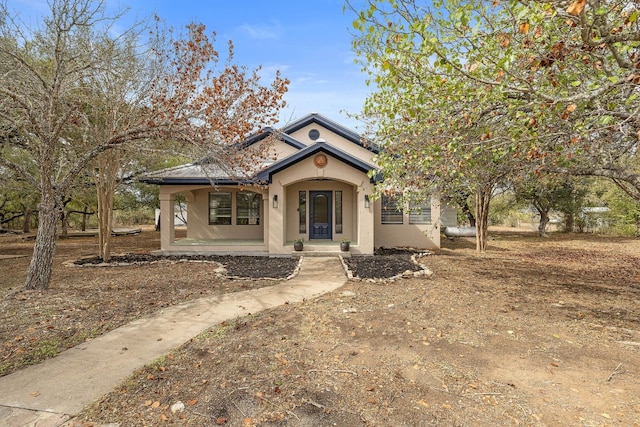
{"x": 568, "y": 222}
{"x": 544, "y": 220}
{"x": 64, "y": 232}
{"x": 483, "y": 198}
{"x": 105, "y": 222}
{"x": 469, "y": 214}
{"x": 26, "y": 226}
{"x": 41, "y": 266}
{"x": 108, "y": 168}
{"x": 84, "y": 218}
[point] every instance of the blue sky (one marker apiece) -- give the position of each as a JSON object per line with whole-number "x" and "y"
{"x": 307, "y": 40}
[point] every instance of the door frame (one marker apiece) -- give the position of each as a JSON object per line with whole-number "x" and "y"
{"x": 312, "y": 230}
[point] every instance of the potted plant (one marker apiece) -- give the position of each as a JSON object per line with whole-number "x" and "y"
{"x": 298, "y": 244}
{"x": 344, "y": 245}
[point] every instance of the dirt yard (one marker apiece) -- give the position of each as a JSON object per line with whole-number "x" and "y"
{"x": 539, "y": 331}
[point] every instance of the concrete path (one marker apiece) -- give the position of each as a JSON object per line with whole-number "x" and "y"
{"x": 50, "y": 393}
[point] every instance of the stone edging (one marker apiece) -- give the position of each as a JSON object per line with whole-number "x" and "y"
{"x": 424, "y": 270}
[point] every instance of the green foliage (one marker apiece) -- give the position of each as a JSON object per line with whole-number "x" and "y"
{"x": 467, "y": 92}
{"x": 505, "y": 210}
{"x": 623, "y": 217}
{"x": 547, "y": 193}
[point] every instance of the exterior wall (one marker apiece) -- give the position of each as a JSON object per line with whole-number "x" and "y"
{"x": 337, "y": 141}
{"x": 336, "y": 175}
{"x": 449, "y": 216}
{"x": 419, "y": 236}
{"x": 198, "y": 226}
{"x": 282, "y": 150}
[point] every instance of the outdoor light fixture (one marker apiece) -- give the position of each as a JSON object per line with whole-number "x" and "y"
{"x": 366, "y": 201}
{"x": 275, "y": 200}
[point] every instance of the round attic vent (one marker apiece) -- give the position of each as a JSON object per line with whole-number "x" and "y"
{"x": 314, "y": 134}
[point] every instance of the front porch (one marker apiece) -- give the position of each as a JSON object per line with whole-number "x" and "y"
{"x": 248, "y": 247}
{"x": 189, "y": 246}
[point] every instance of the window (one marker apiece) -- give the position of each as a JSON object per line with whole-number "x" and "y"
{"x": 302, "y": 212}
{"x": 219, "y": 208}
{"x": 391, "y": 213}
{"x": 420, "y": 213}
{"x": 248, "y": 208}
{"x": 338, "y": 212}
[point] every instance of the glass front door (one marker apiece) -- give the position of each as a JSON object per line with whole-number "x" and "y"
{"x": 320, "y": 215}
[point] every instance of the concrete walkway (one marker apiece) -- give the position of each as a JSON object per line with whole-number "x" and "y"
{"x": 51, "y": 393}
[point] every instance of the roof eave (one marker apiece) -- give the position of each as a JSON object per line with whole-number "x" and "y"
{"x": 195, "y": 181}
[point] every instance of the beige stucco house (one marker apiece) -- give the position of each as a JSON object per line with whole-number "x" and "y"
{"x": 316, "y": 188}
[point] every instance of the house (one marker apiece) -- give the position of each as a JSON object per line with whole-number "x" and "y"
{"x": 316, "y": 187}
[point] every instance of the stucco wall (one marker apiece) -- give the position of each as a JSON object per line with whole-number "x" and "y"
{"x": 420, "y": 236}
{"x": 337, "y": 141}
{"x": 282, "y": 150}
{"x": 198, "y": 226}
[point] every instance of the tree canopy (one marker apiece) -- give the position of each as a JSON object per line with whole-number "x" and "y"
{"x": 468, "y": 92}
{"x": 75, "y": 88}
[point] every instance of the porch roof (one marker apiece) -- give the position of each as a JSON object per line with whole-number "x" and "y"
{"x": 192, "y": 173}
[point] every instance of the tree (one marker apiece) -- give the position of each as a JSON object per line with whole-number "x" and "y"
{"x": 551, "y": 85}
{"x": 547, "y": 192}
{"x": 54, "y": 86}
{"x": 440, "y": 134}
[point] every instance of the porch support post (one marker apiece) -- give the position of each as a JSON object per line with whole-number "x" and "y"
{"x": 276, "y": 219}
{"x": 365, "y": 220}
{"x": 167, "y": 215}
{"x": 266, "y": 221}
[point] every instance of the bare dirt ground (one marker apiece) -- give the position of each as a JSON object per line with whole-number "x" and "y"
{"x": 538, "y": 331}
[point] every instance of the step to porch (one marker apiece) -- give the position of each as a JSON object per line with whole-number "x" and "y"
{"x": 314, "y": 253}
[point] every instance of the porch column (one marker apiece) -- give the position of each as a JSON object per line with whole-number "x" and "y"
{"x": 167, "y": 215}
{"x": 276, "y": 219}
{"x": 365, "y": 220}
{"x": 266, "y": 220}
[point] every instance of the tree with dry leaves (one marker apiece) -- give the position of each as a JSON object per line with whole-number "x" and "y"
{"x": 73, "y": 91}
{"x": 469, "y": 90}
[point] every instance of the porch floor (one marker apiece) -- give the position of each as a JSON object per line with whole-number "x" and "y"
{"x": 216, "y": 242}
{"x": 311, "y": 248}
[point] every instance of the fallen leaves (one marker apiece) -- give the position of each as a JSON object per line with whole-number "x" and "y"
{"x": 319, "y": 351}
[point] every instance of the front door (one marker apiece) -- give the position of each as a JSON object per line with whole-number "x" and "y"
{"x": 320, "y": 215}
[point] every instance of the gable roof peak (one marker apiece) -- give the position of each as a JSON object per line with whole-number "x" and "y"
{"x": 331, "y": 125}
